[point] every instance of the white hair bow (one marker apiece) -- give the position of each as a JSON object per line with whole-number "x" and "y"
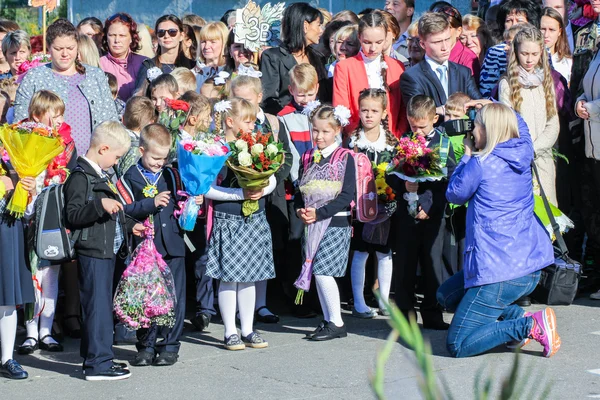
{"x": 221, "y": 77}
{"x": 342, "y": 114}
{"x": 153, "y": 73}
{"x": 223, "y": 106}
{"x": 248, "y": 71}
{"x": 310, "y": 107}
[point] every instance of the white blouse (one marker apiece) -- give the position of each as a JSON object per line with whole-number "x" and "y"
{"x": 373, "y": 68}
{"x": 563, "y": 66}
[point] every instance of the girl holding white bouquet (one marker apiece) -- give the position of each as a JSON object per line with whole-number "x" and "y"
{"x": 234, "y": 236}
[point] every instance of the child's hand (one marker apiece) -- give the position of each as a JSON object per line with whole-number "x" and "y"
{"x": 138, "y": 229}
{"x": 253, "y": 194}
{"x": 581, "y": 111}
{"x": 421, "y": 215}
{"x": 162, "y": 199}
{"x": 112, "y": 206}
{"x": 29, "y": 185}
{"x": 309, "y": 216}
{"x": 199, "y": 200}
{"x": 8, "y": 183}
{"x": 411, "y": 187}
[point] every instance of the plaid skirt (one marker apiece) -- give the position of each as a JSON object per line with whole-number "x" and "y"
{"x": 240, "y": 249}
{"x": 332, "y": 255}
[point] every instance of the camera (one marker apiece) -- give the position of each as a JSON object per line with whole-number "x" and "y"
{"x": 461, "y": 126}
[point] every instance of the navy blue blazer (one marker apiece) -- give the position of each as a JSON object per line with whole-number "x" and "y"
{"x": 168, "y": 236}
{"x": 421, "y": 79}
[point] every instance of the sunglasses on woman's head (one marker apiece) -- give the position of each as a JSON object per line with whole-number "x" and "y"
{"x": 162, "y": 32}
{"x": 121, "y": 16}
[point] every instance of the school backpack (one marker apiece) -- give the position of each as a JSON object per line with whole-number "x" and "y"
{"x": 51, "y": 238}
{"x": 365, "y": 202}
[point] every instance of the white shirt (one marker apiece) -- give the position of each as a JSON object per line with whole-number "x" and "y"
{"x": 327, "y": 151}
{"x": 563, "y": 66}
{"x": 434, "y": 66}
{"x": 373, "y": 68}
{"x": 95, "y": 166}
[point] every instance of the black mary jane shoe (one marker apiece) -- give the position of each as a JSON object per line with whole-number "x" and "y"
{"x": 52, "y": 347}
{"x": 13, "y": 370}
{"x": 165, "y": 359}
{"x": 266, "y": 319}
{"x": 26, "y": 349}
{"x": 329, "y": 332}
{"x": 317, "y": 330}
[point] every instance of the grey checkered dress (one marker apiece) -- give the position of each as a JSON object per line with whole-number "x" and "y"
{"x": 240, "y": 249}
{"x": 332, "y": 255}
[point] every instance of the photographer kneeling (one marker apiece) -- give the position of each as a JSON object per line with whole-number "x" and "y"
{"x": 506, "y": 246}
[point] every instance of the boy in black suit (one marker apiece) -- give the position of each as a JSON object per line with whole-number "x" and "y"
{"x": 435, "y": 76}
{"x": 93, "y": 209}
{"x": 150, "y": 189}
{"x": 419, "y": 239}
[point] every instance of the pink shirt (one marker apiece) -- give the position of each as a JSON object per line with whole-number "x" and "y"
{"x": 125, "y": 70}
{"x": 464, "y": 56}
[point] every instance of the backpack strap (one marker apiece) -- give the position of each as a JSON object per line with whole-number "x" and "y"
{"x": 274, "y": 123}
{"x": 306, "y": 157}
{"x": 176, "y": 177}
{"x": 444, "y": 149}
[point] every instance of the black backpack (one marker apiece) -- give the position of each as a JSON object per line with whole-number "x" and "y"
{"x": 51, "y": 239}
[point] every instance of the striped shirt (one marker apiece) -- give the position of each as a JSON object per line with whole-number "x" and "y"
{"x": 494, "y": 66}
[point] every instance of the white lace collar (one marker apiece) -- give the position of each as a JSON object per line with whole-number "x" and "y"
{"x": 376, "y": 60}
{"x": 327, "y": 151}
{"x": 362, "y": 143}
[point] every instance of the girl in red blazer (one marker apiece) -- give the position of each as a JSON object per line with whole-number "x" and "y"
{"x": 370, "y": 68}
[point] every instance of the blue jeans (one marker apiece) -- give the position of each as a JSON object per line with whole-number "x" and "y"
{"x": 485, "y": 316}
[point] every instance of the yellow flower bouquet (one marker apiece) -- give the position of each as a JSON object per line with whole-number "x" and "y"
{"x": 30, "y": 147}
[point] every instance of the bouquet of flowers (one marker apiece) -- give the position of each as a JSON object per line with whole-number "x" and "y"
{"x": 199, "y": 161}
{"x": 174, "y": 117}
{"x": 31, "y": 147}
{"x": 415, "y": 162}
{"x": 146, "y": 292}
{"x": 255, "y": 157}
{"x": 34, "y": 61}
{"x": 377, "y": 231}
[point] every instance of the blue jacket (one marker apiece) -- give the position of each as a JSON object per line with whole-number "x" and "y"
{"x": 504, "y": 240}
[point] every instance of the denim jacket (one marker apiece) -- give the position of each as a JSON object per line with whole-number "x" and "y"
{"x": 95, "y": 89}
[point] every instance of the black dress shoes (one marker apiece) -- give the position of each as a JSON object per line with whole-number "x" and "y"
{"x": 524, "y": 301}
{"x": 165, "y": 359}
{"x": 114, "y": 373}
{"x": 142, "y": 359}
{"x": 26, "y": 349}
{"x": 436, "y": 325}
{"x": 13, "y": 370}
{"x": 266, "y": 319}
{"x": 200, "y": 321}
{"x": 330, "y": 331}
{"x": 319, "y": 329}
{"x": 53, "y": 347}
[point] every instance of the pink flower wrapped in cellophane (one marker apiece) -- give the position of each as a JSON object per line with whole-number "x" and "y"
{"x": 146, "y": 292}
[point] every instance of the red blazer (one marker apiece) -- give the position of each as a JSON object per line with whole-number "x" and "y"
{"x": 350, "y": 78}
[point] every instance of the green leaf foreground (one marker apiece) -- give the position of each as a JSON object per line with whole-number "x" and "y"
{"x": 511, "y": 387}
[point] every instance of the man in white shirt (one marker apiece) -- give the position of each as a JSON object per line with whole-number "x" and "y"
{"x": 561, "y": 7}
{"x": 403, "y": 11}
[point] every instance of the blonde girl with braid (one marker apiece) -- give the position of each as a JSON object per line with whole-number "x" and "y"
{"x": 370, "y": 69}
{"x": 233, "y": 237}
{"x": 373, "y": 138}
{"x": 528, "y": 88}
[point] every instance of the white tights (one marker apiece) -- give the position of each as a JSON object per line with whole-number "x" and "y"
{"x": 8, "y": 331}
{"x": 329, "y": 296}
{"x": 384, "y": 276}
{"x": 242, "y": 295}
{"x": 48, "y": 280}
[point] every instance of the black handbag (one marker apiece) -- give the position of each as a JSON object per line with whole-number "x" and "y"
{"x": 558, "y": 282}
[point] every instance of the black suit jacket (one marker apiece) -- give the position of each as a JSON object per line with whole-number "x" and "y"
{"x": 421, "y": 79}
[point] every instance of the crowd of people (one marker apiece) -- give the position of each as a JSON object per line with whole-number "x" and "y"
{"x": 335, "y": 85}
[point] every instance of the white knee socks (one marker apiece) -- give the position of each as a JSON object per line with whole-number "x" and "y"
{"x": 384, "y": 275}
{"x": 48, "y": 280}
{"x": 242, "y": 295}
{"x": 8, "y": 331}
{"x": 227, "y": 305}
{"x": 329, "y": 295}
{"x": 246, "y": 294}
{"x": 357, "y": 276}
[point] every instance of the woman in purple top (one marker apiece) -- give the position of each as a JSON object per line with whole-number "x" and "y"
{"x": 120, "y": 41}
{"x": 84, "y": 89}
